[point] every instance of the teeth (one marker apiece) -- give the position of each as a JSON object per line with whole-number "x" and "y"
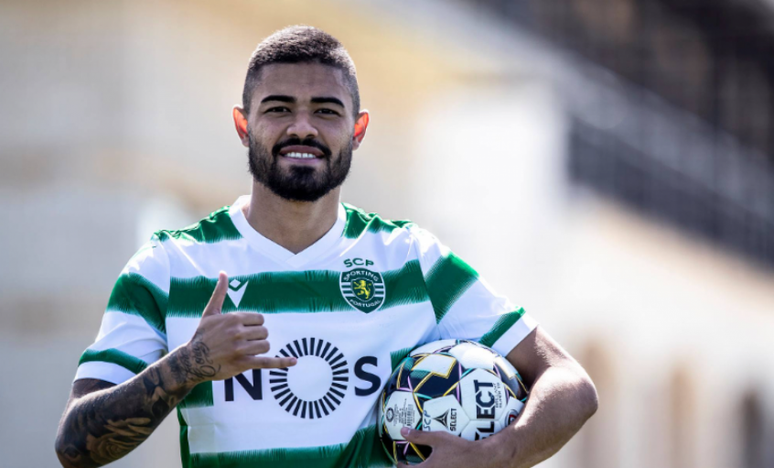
{"x": 300, "y": 155}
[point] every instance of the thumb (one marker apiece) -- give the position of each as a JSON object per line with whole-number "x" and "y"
{"x": 424, "y": 437}
{"x": 218, "y": 296}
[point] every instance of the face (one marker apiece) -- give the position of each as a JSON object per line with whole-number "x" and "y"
{"x": 300, "y": 131}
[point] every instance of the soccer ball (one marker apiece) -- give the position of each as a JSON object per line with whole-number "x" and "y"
{"x": 457, "y": 386}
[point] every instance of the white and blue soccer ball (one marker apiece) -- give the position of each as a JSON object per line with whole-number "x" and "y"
{"x": 457, "y": 386}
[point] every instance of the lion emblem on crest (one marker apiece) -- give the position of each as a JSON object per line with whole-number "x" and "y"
{"x": 362, "y": 289}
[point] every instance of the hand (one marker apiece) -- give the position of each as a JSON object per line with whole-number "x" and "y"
{"x": 449, "y": 451}
{"x": 225, "y": 345}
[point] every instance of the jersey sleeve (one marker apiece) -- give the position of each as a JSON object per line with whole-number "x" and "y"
{"x": 465, "y": 306}
{"x": 132, "y": 334}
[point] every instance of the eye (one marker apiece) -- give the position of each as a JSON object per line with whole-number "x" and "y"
{"x": 326, "y": 111}
{"x": 277, "y": 109}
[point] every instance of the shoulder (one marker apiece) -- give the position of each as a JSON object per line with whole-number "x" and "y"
{"x": 215, "y": 227}
{"x": 195, "y": 244}
{"x": 360, "y": 222}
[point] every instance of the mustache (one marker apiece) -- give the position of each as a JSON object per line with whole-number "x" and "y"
{"x": 294, "y": 141}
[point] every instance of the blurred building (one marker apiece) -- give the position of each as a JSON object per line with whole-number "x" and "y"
{"x": 605, "y": 163}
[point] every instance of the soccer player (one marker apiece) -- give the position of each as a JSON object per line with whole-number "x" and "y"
{"x": 338, "y": 292}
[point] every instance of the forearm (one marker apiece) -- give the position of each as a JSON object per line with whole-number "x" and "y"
{"x": 560, "y": 402}
{"x": 105, "y": 425}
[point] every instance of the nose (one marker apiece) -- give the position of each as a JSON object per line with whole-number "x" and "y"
{"x": 302, "y": 127}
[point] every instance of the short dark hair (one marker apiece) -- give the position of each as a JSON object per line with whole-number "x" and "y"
{"x": 301, "y": 44}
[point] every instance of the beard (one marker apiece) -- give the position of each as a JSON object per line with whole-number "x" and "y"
{"x": 298, "y": 182}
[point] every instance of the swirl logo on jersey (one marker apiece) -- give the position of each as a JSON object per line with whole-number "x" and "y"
{"x": 362, "y": 289}
{"x": 315, "y": 386}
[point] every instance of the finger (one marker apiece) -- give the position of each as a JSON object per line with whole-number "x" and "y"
{"x": 251, "y": 348}
{"x": 262, "y": 362}
{"x": 255, "y": 333}
{"x": 249, "y": 318}
{"x": 428, "y": 438}
{"x": 218, "y": 296}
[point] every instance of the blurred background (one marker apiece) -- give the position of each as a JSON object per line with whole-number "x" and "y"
{"x": 607, "y": 164}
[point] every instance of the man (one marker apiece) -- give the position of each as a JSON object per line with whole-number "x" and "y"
{"x": 340, "y": 291}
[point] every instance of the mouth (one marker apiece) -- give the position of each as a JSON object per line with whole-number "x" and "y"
{"x": 301, "y": 152}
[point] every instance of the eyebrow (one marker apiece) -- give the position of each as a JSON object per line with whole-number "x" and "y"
{"x": 291, "y": 99}
{"x": 278, "y": 97}
{"x": 327, "y": 100}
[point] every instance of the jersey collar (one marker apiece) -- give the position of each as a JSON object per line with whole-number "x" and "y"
{"x": 276, "y": 251}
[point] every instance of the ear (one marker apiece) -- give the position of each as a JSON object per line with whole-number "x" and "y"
{"x": 240, "y": 122}
{"x": 361, "y": 125}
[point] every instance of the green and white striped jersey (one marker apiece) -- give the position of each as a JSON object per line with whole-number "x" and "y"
{"x": 349, "y": 307}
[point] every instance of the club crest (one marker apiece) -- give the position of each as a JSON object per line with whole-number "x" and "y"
{"x": 362, "y": 289}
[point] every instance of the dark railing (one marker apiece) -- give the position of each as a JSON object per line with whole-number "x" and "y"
{"x": 714, "y": 58}
{"x": 684, "y": 131}
{"x": 681, "y": 175}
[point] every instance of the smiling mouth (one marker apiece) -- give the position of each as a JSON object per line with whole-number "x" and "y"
{"x": 296, "y": 155}
{"x": 306, "y": 152}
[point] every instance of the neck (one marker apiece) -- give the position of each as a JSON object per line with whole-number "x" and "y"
{"x": 292, "y": 224}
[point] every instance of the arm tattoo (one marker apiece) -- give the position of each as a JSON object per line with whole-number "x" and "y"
{"x": 111, "y": 421}
{"x": 195, "y": 365}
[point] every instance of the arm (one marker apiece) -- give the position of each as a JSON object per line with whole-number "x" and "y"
{"x": 103, "y": 422}
{"x": 562, "y": 397}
